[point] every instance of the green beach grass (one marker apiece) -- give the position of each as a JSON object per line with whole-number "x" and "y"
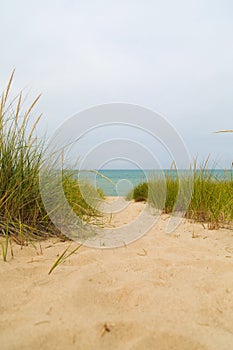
{"x": 23, "y": 217}
{"x": 211, "y": 199}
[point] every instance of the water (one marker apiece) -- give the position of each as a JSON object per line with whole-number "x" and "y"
{"x": 122, "y": 181}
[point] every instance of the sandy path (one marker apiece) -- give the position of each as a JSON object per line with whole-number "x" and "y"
{"x": 160, "y": 292}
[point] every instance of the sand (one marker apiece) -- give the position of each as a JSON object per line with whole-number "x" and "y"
{"x": 160, "y": 292}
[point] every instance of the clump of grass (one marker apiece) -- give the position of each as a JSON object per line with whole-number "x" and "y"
{"x": 140, "y": 192}
{"x": 211, "y": 200}
{"x": 22, "y": 214}
{"x": 20, "y": 156}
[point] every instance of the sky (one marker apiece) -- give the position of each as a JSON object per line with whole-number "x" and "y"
{"x": 173, "y": 57}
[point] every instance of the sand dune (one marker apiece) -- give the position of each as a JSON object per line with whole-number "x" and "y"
{"x": 160, "y": 292}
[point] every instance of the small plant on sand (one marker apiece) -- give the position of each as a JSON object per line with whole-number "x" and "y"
{"x": 63, "y": 257}
{"x": 140, "y": 192}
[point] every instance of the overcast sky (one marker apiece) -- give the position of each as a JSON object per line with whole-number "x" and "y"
{"x": 175, "y": 57}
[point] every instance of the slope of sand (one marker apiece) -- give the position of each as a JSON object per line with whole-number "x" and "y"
{"x": 160, "y": 292}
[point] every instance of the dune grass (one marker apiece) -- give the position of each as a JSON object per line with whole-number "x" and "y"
{"x": 211, "y": 200}
{"x": 22, "y": 213}
{"x": 21, "y": 209}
